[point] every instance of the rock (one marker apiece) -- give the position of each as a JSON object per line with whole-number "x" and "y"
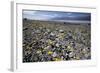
{"x": 37, "y": 31}
{"x": 62, "y": 57}
{"x": 85, "y": 50}
{"x": 70, "y": 48}
{"x": 48, "y": 30}
{"x": 61, "y": 31}
{"x": 77, "y": 57}
{"x": 54, "y": 54}
{"x": 87, "y": 55}
{"x": 57, "y": 45}
{"x": 38, "y": 52}
{"x": 52, "y": 34}
{"x": 71, "y": 54}
{"x": 48, "y": 47}
{"x": 50, "y": 42}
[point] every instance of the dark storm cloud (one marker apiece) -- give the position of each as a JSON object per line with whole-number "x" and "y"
{"x": 56, "y": 16}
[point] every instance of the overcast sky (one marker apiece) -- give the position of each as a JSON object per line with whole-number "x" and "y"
{"x": 54, "y": 15}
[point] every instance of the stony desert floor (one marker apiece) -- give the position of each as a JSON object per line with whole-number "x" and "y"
{"x": 55, "y": 41}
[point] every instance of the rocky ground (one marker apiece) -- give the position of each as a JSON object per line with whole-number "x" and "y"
{"x": 55, "y": 41}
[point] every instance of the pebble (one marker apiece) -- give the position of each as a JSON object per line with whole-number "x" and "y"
{"x": 61, "y": 31}
{"x": 57, "y": 45}
{"x": 52, "y": 34}
{"x": 71, "y": 54}
{"x": 54, "y": 54}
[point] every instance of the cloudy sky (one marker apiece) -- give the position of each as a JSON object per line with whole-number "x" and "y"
{"x": 56, "y": 16}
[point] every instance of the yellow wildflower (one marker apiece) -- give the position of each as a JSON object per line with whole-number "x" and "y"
{"x": 57, "y": 59}
{"x": 50, "y": 52}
